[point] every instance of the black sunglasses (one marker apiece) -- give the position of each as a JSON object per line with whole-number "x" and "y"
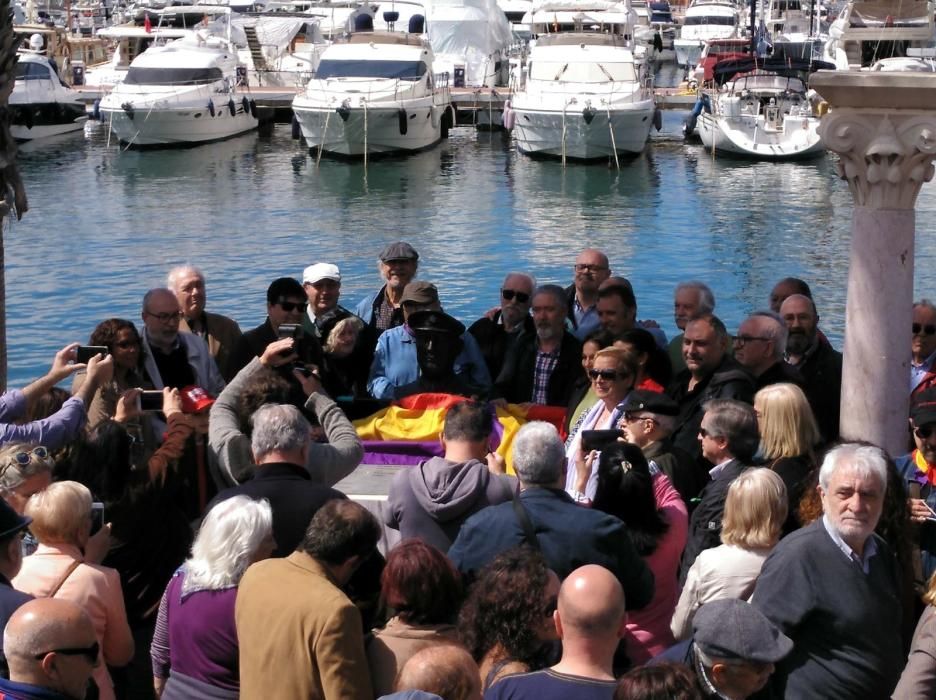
{"x": 924, "y": 432}
{"x": 90, "y": 653}
{"x": 289, "y": 306}
{"x": 928, "y": 329}
{"x": 509, "y": 294}
{"x": 608, "y": 374}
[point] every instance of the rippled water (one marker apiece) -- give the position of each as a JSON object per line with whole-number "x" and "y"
{"x": 105, "y": 225}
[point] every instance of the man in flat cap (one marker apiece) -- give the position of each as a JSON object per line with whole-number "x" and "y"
{"x": 395, "y": 362}
{"x": 732, "y": 651}
{"x": 648, "y": 422}
{"x": 383, "y": 309}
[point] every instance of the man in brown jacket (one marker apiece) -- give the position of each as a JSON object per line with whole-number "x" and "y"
{"x": 300, "y": 636}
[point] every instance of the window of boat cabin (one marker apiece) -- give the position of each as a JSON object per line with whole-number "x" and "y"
{"x": 137, "y": 75}
{"x": 27, "y": 70}
{"x": 713, "y": 19}
{"x": 400, "y": 70}
{"x": 584, "y": 72}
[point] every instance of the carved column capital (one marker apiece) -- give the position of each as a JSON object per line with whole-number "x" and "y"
{"x": 885, "y": 154}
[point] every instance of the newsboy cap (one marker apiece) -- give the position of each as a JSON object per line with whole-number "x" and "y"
{"x": 651, "y": 402}
{"x": 437, "y": 321}
{"x": 420, "y": 292}
{"x": 923, "y": 408}
{"x": 400, "y": 250}
{"x": 733, "y": 629}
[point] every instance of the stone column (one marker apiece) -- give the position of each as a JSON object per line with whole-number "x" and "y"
{"x": 883, "y": 127}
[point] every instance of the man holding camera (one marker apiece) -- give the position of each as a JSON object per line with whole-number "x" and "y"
{"x": 286, "y": 307}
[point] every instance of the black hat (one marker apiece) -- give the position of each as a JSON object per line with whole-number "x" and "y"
{"x": 651, "y": 402}
{"x": 435, "y": 321}
{"x": 733, "y": 629}
{"x": 11, "y": 522}
{"x": 399, "y": 251}
{"x": 923, "y": 410}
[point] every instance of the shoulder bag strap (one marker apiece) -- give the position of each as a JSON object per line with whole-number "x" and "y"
{"x": 68, "y": 572}
{"x": 529, "y": 533}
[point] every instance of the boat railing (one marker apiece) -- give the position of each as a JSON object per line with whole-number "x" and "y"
{"x": 442, "y": 87}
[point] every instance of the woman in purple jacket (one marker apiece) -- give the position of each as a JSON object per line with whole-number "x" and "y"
{"x": 195, "y": 647}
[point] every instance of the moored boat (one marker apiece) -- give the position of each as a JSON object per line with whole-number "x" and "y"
{"x": 40, "y": 105}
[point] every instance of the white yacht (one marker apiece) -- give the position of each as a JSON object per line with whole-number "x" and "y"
{"x": 705, "y": 20}
{"x": 760, "y": 109}
{"x": 375, "y": 93}
{"x": 40, "y": 105}
{"x": 585, "y": 97}
{"x": 182, "y": 93}
{"x": 867, "y": 31}
{"x": 470, "y": 40}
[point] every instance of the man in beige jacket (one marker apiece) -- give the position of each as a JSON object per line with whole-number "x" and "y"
{"x": 300, "y": 636}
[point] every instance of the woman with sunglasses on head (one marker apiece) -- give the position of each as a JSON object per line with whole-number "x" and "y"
{"x": 25, "y": 469}
{"x": 62, "y": 520}
{"x": 612, "y": 377}
{"x": 658, "y": 524}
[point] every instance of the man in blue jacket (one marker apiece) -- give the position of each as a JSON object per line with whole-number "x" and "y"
{"x": 544, "y": 516}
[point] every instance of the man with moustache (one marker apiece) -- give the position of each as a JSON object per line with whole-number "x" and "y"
{"x": 817, "y": 361}
{"x": 384, "y": 309}
{"x": 617, "y": 310}
{"x": 918, "y": 470}
{"x": 711, "y": 373}
{"x": 591, "y": 269}
{"x": 541, "y": 367}
{"x": 923, "y": 347}
{"x": 690, "y": 299}
{"x": 219, "y": 332}
{"x": 498, "y": 330}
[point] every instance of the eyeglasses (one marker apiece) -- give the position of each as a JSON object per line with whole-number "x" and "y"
{"x": 509, "y": 294}
{"x": 924, "y": 432}
{"x": 631, "y": 417}
{"x": 742, "y": 340}
{"x": 91, "y": 653}
{"x": 289, "y": 306}
{"x": 705, "y": 433}
{"x": 164, "y": 318}
{"x": 584, "y": 267}
{"x": 608, "y": 374}
{"x": 928, "y": 329}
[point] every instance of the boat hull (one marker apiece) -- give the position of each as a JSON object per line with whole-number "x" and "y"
{"x": 177, "y": 126}
{"x": 540, "y": 132}
{"x": 739, "y": 137}
{"x": 379, "y": 133}
{"x": 36, "y": 121}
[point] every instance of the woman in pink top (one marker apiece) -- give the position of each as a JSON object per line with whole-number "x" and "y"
{"x": 62, "y": 523}
{"x": 658, "y": 523}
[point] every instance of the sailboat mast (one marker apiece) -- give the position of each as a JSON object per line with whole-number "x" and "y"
{"x": 753, "y": 27}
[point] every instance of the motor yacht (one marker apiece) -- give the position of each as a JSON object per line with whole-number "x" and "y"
{"x": 867, "y": 31}
{"x": 705, "y": 20}
{"x": 40, "y": 105}
{"x": 375, "y": 93}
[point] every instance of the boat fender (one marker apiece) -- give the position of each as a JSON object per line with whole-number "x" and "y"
{"x": 245, "y": 103}
{"x": 401, "y": 117}
{"x": 28, "y": 118}
{"x": 96, "y": 111}
{"x": 253, "y": 108}
{"x": 128, "y": 110}
{"x": 589, "y": 113}
{"x": 658, "y": 119}
{"x": 509, "y": 116}
{"x": 211, "y": 109}
{"x": 232, "y": 108}
{"x": 344, "y": 111}
{"x": 296, "y": 131}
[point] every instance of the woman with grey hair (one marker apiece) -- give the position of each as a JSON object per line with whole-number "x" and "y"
{"x": 25, "y": 469}
{"x": 195, "y": 648}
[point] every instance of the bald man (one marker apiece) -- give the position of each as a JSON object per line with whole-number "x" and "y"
{"x": 590, "y": 620}
{"x": 591, "y": 269}
{"x": 445, "y": 671}
{"x": 51, "y": 650}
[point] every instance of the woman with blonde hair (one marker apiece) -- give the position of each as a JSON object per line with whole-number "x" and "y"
{"x": 25, "y": 469}
{"x": 755, "y": 510}
{"x": 789, "y": 437}
{"x": 918, "y": 680}
{"x": 61, "y": 523}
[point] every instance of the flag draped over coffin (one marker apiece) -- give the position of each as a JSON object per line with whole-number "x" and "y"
{"x": 407, "y": 432}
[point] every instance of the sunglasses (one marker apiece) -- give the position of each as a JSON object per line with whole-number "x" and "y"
{"x": 509, "y": 294}
{"x": 928, "y": 329}
{"x": 582, "y": 267}
{"x": 705, "y": 433}
{"x": 289, "y": 306}
{"x": 924, "y": 432}
{"x": 608, "y": 374}
{"x": 631, "y": 417}
{"x": 91, "y": 653}
{"x": 24, "y": 458}
{"x": 169, "y": 316}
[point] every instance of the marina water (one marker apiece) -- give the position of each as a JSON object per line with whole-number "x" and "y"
{"x": 105, "y": 225}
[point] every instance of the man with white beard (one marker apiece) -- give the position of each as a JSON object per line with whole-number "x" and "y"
{"x": 542, "y": 366}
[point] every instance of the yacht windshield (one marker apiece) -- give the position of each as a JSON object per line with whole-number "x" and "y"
{"x": 32, "y": 71}
{"x": 172, "y": 76}
{"x": 556, "y": 71}
{"x": 715, "y": 19}
{"x": 401, "y": 70}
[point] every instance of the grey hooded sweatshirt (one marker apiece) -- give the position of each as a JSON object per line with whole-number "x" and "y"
{"x": 432, "y": 500}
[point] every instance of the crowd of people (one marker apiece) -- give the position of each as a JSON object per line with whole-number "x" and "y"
{"x": 688, "y": 523}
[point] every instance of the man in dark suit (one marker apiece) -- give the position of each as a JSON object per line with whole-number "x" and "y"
{"x": 280, "y": 444}
{"x": 729, "y": 438}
